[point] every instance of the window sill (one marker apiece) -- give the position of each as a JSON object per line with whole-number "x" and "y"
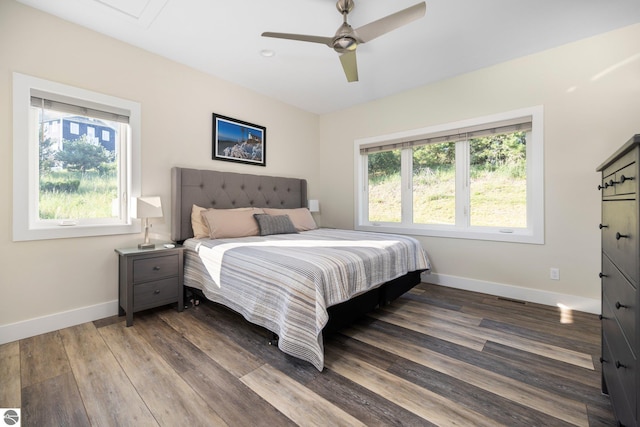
{"x": 58, "y": 231}
{"x": 491, "y": 234}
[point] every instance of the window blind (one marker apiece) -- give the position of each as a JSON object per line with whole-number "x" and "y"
{"x": 55, "y": 102}
{"x": 521, "y": 124}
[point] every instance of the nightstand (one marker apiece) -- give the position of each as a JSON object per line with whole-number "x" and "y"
{"x": 149, "y": 278}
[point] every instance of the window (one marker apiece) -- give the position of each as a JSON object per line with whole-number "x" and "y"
{"x": 66, "y": 182}
{"x": 476, "y": 179}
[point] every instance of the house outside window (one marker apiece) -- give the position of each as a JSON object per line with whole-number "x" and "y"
{"x": 68, "y": 182}
{"x": 476, "y": 179}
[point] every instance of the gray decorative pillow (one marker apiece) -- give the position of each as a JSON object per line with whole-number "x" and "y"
{"x": 274, "y": 224}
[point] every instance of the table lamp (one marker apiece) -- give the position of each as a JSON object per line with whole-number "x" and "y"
{"x": 145, "y": 208}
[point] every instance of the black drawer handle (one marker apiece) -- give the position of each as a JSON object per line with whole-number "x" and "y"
{"x": 600, "y": 187}
{"x": 156, "y": 292}
{"x": 625, "y": 178}
{"x": 619, "y": 365}
{"x": 601, "y": 226}
{"x": 600, "y": 316}
{"x": 602, "y": 360}
{"x": 612, "y": 183}
{"x": 601, "y": 275}
{"x": 156, "y": 268}
{"x": 621, "y": 236}
{"x": 619, "y": 306}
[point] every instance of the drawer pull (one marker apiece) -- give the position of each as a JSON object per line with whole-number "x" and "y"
{"x": 619, "y": 306}
{"x": 625, "y": 178}
{"x": 601, "y": 275}
{"x": 601, "y": 226}
{"x": 156, "y": 268}
{"x": 156, "y": 292}
{"x": 621, "y": 236}
{"x": 600, "y": 187}
{"x": 619, "y": 365}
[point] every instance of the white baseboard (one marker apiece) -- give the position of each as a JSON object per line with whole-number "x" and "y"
{"x": 537, "y": 296}
{"x": 53, "y": 322}
{"x": 41, "y": 325}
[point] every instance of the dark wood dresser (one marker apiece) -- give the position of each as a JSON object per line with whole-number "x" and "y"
{"x": 620, "y": 276}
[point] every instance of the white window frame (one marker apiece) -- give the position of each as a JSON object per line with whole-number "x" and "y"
{"x": 26, "y": 222}
{"x": 533, "y": 233}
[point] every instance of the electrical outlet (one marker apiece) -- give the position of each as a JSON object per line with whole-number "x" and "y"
{"x": 554, "y": 273}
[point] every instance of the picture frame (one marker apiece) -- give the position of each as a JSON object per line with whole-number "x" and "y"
{"x": 238, "y": 141}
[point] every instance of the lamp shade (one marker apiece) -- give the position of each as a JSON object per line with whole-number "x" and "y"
{"x": 147, "y": 207}
{"x": 314, "y": 205}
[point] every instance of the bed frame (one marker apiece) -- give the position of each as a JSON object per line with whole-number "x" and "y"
{"x": 226, "y": 190}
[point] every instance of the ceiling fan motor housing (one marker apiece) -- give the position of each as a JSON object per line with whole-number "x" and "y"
{"x": 344, "y": 6}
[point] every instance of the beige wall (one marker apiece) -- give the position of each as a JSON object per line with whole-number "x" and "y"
{"x": 45, "y": 277}
{"x": 590, "y": 91}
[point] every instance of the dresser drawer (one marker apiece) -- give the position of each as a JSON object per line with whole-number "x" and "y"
{"x": 608, "y": 189}
{"x": 625, "y": 181}
{"x": 153, "y": 294}
{"x": 154, "y": 268}
{"x": 619, "y": 235}
{"x": 619, "y": 300}
{"x": 623, "y": 404}
{"x": 621, "y": 162}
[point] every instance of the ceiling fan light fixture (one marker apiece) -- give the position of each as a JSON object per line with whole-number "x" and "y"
{"x": 345, "y": 44}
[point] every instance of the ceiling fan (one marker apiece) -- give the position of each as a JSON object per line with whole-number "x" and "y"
{"x": 347, "y": 39}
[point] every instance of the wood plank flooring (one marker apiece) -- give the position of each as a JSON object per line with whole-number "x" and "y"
{"x": 436, "y": 356}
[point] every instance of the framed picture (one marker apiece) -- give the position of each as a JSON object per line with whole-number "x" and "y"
{"x": 238, "y": 141}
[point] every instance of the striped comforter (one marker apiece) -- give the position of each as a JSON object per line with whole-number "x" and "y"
{"x": 286, "y": 282}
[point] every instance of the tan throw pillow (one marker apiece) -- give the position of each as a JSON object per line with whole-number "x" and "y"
{"x": 301, "y": 217}
{"x": 225, "y": 223}
{"x": 200, "y": 229}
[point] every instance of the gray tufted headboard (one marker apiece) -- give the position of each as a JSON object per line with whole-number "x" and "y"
{"x": 226, "y": 190}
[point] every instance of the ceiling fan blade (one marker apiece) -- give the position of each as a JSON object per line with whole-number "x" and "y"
{"x": 300, "y": 37}
{"x": 350, "y": 65}
{"x": 389, "y": 23}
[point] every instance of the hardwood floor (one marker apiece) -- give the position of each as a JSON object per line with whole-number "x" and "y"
{"x": 436, "y": 356}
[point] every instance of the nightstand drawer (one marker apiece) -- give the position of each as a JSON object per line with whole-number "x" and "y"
{"x": 158, "y": 267}
{"x": 153, "y": 294}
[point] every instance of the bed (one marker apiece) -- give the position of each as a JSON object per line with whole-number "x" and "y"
{"x": 299, "y": 284}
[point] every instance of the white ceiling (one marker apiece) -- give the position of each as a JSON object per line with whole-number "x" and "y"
{"x": 222, "y": 38}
